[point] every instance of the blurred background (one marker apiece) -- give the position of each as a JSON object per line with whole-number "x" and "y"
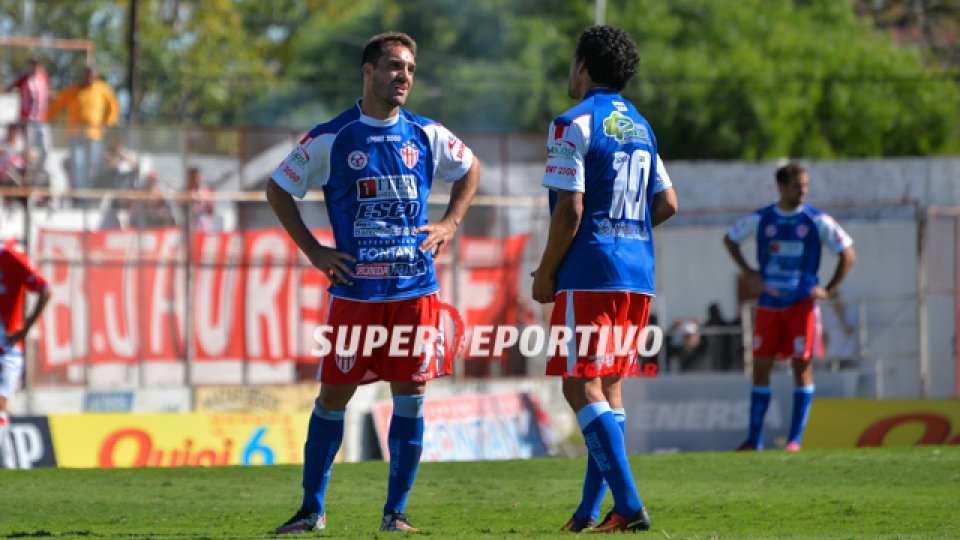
{"x": 176, "y": 291}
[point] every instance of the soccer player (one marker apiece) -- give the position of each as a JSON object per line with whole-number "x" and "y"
{"x": 790, "y": 237}
{"x": 17, "y": 275}
{"x": 608, "y": 189}
{"x": 376, "y": 164}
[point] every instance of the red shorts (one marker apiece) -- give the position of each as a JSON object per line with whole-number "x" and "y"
{"x": 599, "y": 309}
{"x": 791, "y": 332}
{"x": 369, "y": 363}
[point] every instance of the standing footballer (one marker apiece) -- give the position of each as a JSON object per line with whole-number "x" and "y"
{"x": 790, "y": 238}
{"x": 376, "y": 164}
{"x": 608, "y": 190}
{"x": 17, "y": 276}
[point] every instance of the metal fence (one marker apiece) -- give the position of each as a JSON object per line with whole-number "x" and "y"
{"x": 900, "y": 303}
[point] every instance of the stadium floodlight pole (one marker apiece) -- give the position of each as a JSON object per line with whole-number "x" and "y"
{"x": 599, "y": 11}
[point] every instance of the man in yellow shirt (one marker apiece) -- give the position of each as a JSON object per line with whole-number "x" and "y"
{"x": 90, "y": 106}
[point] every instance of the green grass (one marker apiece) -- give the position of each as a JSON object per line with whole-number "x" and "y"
{"x": 893, "y": 493}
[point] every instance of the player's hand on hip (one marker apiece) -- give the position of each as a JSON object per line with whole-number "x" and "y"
{"x": 333, "y": 264}
{"x": 16, "y": 337}
{"x": 439, "y": 235}
{"x": 819, "y": 292}
{"x": 544, "y": 286}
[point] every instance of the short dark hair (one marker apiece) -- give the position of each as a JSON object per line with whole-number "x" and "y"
{"x": 373, "y": 50}
{"x": 788, "y": 172}
{"x": 610, "y": 55}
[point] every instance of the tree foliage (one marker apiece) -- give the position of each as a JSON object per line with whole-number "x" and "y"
{"x": 751, "y": 79}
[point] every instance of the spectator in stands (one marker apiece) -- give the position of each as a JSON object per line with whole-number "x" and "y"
{"x": 91, "y": 105}
{"x": 200, "y": 209}
{"x": 690, "y": 351}
{"x": 154, "y": 211}
{"x": 11, "y": 158}
{"x": 33, "y": 88}
{"x": 17, "y": 276}
{"x": 724, "y": 340}
{"x": 123, "y": 165}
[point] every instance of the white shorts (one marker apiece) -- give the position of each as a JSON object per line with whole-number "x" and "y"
{"x": 11, "y": 368}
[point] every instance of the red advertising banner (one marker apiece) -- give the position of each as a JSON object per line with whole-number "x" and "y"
{"x": 123, "y": 296}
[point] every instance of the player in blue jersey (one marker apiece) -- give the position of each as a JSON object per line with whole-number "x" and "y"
{"x": 790, "y": 237}
{"x": 376, "y": 164}
{"x": 608, "y": 189}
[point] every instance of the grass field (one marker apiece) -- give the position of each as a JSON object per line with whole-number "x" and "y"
{"x": 894, "y": 493}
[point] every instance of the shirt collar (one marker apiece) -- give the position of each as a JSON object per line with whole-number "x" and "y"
{"x": 376, "y": 122}
{"x": 599, "y": 90}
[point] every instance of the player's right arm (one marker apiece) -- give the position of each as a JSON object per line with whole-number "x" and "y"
{"x": 737, "y": 233}
{"x": 306, "y": 165}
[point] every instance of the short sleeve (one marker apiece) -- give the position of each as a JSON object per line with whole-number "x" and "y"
{"x": 743, "y": 228}
{"x": 32, "y": 279}
{"x": 662, "y": 182}
{"x": 567, "y": 144}
{"x": 451, "y": 158}
{"x": 306, "y": 166}
{"x": 832, "y": 234}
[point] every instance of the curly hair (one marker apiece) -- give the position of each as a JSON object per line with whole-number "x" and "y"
{"x": 610, "y": 55}
{"x": 373, "y": 50}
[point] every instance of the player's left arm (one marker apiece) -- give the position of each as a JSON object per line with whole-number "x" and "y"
{"x": 440, "y": 234}
{"x": 35, "y": 282}
{"x": 31, "y": 319}
{"x": 845, "y": 262}
{"x": 840, "y": 243}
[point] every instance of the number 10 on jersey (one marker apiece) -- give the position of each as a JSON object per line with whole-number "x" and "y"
{"x": 630, "y": 186}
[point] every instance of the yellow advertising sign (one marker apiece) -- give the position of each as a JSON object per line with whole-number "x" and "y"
{"x": 256, "y": 399}
{"x": 171, "y": 440}
{"x": 848, "y": 423}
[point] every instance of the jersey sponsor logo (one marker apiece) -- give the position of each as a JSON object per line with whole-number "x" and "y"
{"x": 403, "y": 186}
{"x": 300, "y": 157}
{"x": 623, "y": 129}
{"x": 373, "y": 270}
{"x": 379, "y": 229}
{"x": 287, "y": 170}
{"x": 562, "y": 149}
{"x": 566, "y": 171}
{"x": 373, "y": 139}
{"x": 620, "y": 106}
{"x": 622, "y": 229}
{"x": 388, "y": 209}
{"x": 391, "y": 270}
{"x": 410, "y": 154}
{"x": 387, "y": 254}
{"x": 357, "y": 160}
{"x": 786, "y": 248}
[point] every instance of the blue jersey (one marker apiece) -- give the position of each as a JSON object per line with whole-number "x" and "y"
{"x": 789, "y": 245}
{"x": 606, "y": 150}
{"x": 376, "y": 176}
